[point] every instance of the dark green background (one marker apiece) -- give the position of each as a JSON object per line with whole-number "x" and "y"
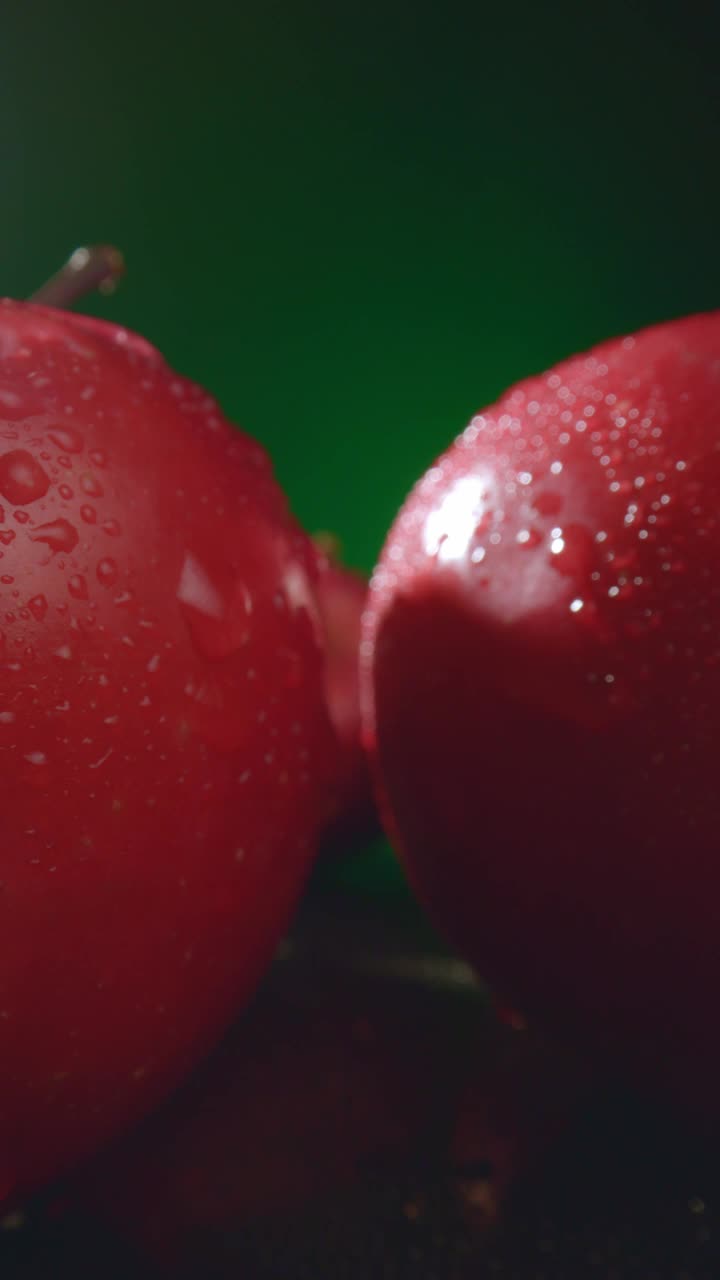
{"x": 356, "y": 224}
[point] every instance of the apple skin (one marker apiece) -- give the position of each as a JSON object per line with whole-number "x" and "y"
{"x": 166, "y": 753}
{"x": 541, "y": 698}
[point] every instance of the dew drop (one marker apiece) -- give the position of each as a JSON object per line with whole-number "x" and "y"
{"x": 22, "y": 517}
{"x": 88, "y": 513}
{"x": 67, "y": 439}
{"x": 98, "y": 457}
{"x": 65, "y": 492}
{"x": 107, "y": 572}
{"x": 529, "y": 538}
{"x": 38, "y": 607}
{"x": 59, "y": 535}
{"x": 7, "y": 536}
{"x": 91, "y": 485}
{"x": 77, "y": 586}
{"x": 112, "y": 527}
{"x": 22, "y": 479}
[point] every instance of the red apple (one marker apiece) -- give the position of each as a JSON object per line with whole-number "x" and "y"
{"x": 541, "y": 692}
{"x": 166, "y": 754}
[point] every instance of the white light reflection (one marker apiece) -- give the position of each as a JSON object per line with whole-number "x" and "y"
{"x": 449, "y": 529}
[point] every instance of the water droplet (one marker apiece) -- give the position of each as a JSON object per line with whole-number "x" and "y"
{"x": 91, "y": 485}
{"x": 59, "y": 535}
{"x": 98, "y": 457}
{"x": 112, "y": 527}
{"x": 88, "y": 513}
{"x": 22, "y": 517}
{"x": 64, "y": 652}
{"x": 7, "y": 578}
{"x": 7, "y": 717}
{"x": 36, "y": 757}
{"x": 107, "y": 572}
{"x": 38, "y": 607}
{"x": 77, "y": 586}
{"x": 65, "y": 492}
{"x": 7, "y": 536}
{"x": 67, "y": 439}
{"x": 529, "y": 538}
{"x": 22, "y": 479}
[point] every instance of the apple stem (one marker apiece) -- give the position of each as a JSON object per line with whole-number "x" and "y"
{"x": 98, "y": 266}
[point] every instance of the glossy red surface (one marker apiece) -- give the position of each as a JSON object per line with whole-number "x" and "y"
{"x": 542, "y": 694}
{"x": 165, "y": 752}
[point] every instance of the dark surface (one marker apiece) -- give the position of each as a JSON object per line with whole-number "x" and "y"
{"x": 355, "y": 1126}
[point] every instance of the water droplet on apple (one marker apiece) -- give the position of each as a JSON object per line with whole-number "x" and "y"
{"x": 7, "y": 536}
{"x": 98, "y": 457}
{"x": 77, "y": 586}
{"x": 58, "y": 534}
{"x": 529, "y": 538}
{"x": 112, "y": 527}
{"x": 38, "y": 607}
{"x": 65, "y": 492}
{"x": 107, "y": 572}
{"x": 22, "y": 478}
{"x": 88, "y": 513}
{"x": 67, "y": 439}
{"x": 91, "y": 485}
